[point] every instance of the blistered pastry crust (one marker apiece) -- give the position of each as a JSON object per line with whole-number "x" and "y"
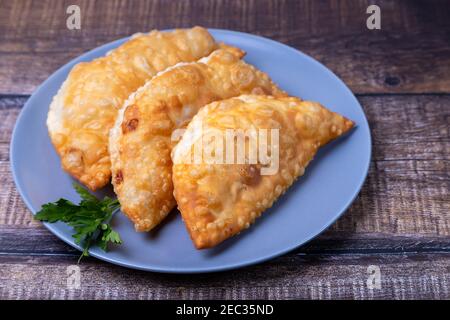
{"x": 140, "y": 142}
{"x": 85, "y": 107}
{"x": 218, "y": 201}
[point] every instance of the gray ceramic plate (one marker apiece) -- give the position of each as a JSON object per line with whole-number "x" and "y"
{"x": 329, "y": 186}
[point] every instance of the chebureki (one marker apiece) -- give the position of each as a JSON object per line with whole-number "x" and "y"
{"x": 141, "y": 140}
{"x": 243, "y": 141}
{"x": 218, "y": 200}
{"x": 85, "y": 108}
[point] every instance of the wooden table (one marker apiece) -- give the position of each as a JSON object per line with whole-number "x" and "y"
{"x": 400, "y": 222}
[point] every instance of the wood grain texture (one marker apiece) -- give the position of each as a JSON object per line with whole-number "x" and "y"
{"x": 403, "y": 204}
{"x": 401, "y": 218}
{"x": 409, "y": 54}
{"x": 403, "y": 276}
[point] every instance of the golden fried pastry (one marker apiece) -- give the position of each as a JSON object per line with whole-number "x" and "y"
{"x": 85, "y": 108}
{"x": 141, "y": 140}
{"x": 218, "y": 198}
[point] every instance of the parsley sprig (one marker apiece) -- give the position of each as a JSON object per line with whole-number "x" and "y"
{"x": 90, "y": 219}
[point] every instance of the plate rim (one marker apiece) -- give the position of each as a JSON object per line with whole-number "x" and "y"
{"x": 174, "y": 270}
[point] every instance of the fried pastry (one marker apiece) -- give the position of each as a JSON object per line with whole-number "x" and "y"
{"x": 218, "y": 199}
{"x": 141, "y": 140}
{"x": 85, "y": 108}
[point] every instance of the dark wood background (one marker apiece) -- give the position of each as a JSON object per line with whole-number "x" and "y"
{"x": 399, "y": 222}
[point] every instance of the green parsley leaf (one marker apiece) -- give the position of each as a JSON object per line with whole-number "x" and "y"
{"x": 89, "y": 219}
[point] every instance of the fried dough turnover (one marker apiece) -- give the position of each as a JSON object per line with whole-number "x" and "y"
{"x": 141, "y": 140}
{"x": 84, "y": 110}
{"x": 218, "y": 200}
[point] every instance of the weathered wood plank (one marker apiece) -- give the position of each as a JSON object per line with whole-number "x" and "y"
{"x": 401, "y": 219}
{"x": 9, "y": 111}
{"x": 405, "y": 196}
{"x": 409, "y": 54}
{"x": 403, "y": 276}
{"x": 396, "y": 201}
{"x": 36, "y": 240}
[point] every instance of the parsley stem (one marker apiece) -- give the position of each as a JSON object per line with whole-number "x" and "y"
{"x": 95, "y": 235}
{"x": 90, "y": 219}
